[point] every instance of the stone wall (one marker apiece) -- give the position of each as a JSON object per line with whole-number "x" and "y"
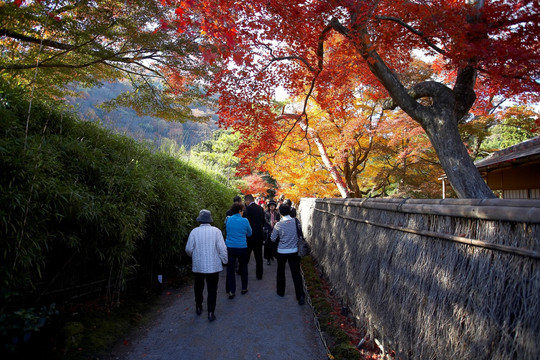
{"x": 434, "y": 279}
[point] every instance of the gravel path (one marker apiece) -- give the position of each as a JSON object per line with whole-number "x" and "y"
{"x": 257, "y": 325}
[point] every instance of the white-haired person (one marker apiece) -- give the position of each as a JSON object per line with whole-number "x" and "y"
{"x": 207, "y": 248}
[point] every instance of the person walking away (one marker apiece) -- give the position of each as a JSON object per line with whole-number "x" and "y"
{"x": 255, "y": 215}
{"x": 238, "y": 229}
{"x": 207, "y": 249}
{"x": 290, "y": 204}
{"x": 236, "y": 200}
{"x": 287, "y": 251}
{"x": 271, "y": 217}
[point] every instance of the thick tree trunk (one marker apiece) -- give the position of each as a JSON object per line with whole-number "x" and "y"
{"x": 440, "y": 120}
{"x": 455, "y": 160}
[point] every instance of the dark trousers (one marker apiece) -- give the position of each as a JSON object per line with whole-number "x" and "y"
{"x": 256, "y": 246}
{"x": 294, "y": 265}
{"x": 242, "y": 255}
{"x": 212, "y": 284}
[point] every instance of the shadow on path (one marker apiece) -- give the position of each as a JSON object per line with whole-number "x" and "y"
{"x": 257, "y": 325}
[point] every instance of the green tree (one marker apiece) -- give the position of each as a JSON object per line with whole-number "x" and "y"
{"x": 518, "y": 123}
{"x": 497, "y": 127}
{"x": 48, "y": 45}
{"x": 218, "y": 153}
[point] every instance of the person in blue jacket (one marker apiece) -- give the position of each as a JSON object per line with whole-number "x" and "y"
{"x": 238, "y": 230}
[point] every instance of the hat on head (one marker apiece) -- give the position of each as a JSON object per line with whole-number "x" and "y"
{"x": 205, "y": 217}
{"x": 272, "y": 202}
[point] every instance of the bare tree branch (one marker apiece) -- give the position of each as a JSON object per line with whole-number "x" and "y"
{"x": 146, "y": 53}
{"x": 33, "y": 40}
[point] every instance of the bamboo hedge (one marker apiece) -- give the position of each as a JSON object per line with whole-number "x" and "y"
{"x": 80, "y": 205}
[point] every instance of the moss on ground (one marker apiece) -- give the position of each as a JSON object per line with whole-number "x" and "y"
{"x": 337, "y": 329}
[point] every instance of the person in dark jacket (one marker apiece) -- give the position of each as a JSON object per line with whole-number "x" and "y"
{"x": 271, "y": 218}
{"x": 255, "y": 215}
{"x": 236, "y": 200}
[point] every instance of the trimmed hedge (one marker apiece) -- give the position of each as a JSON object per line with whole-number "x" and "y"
{"x": 82, "y": 206}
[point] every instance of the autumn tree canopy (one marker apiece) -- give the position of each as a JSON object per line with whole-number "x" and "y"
{"x": 53, "y": 46}
{"x": 312, "y": 47}
{"x": 351, "y": 154}
{"x": 326, "y": 52}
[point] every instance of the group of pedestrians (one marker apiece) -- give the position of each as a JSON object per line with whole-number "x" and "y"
{"x": 248, "y": 229}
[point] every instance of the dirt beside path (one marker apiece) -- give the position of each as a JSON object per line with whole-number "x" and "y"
{"x": 257, "y": 325}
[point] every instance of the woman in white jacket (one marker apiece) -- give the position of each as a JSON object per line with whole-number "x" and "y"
{"x": 207, "y": 248}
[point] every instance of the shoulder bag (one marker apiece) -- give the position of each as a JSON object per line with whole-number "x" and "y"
{"x": 303, "y": 247}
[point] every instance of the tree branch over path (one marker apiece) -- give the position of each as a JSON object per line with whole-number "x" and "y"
{"x": 101, "y": 57}
{"x": 317, "y": 71}
{"x": 33, "y": 40}
{"x": 414, "y": 31}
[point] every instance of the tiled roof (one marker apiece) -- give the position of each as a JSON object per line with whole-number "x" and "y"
{"x": 526, "y": 149}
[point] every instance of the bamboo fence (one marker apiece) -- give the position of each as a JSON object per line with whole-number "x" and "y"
{"x": 434, "y": 279}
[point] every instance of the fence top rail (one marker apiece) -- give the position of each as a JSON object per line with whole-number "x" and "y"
{"x": 460, "y": 239}
{"x": 489, "y": 209}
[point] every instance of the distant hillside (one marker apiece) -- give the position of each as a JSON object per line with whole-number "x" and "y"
{"x": 125, "y": 120}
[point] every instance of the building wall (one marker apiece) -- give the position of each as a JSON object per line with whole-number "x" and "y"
{"x": 521, "y": 182}
{"x": 521, "y": 194}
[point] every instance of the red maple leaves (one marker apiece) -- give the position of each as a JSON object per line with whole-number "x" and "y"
{"x": 312, "y": 48}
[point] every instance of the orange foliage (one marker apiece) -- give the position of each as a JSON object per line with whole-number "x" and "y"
{"x": 389, "y": 155}
{"x": 255, "y": 185}
{"x": 317, "y": 49}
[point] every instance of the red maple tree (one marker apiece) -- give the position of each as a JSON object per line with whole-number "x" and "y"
{"x": 255, "y": 184}
{"x": 310, "y": 47}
